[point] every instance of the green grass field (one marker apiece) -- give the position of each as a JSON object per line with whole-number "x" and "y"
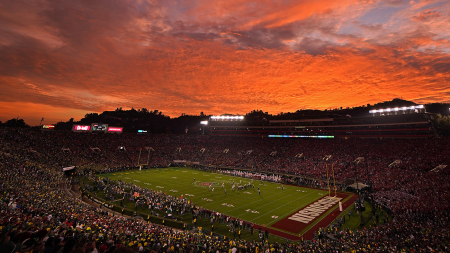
{"x": 272, "y": 205}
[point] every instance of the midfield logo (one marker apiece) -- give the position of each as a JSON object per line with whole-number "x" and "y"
{"x": 208, "y": 183}
{"x": 309, "y": 213}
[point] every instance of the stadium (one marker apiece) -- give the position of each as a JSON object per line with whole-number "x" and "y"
{"x": 378, "y": 182}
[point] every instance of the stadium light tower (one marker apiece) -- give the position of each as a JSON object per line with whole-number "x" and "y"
{"x": 227, "y": 117}
{"x": 204, "y": 123}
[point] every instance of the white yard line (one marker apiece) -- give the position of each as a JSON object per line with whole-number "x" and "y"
{"x": 282, "y": 206}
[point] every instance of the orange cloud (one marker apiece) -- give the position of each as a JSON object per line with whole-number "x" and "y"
{"x": 33, "y": 113}
{"x": 181, "y": 58}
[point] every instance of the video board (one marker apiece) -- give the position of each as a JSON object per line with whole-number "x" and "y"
{"x": 99, "y": 127}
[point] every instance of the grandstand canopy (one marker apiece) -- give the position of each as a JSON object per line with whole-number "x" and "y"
{"x": 68, "y": 168}
{"x": 358, "y": 185}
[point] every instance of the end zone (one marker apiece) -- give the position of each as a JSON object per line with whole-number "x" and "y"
{"x": 301, "y": 219}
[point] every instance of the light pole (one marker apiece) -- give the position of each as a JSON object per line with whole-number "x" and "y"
{"x": 204, "y": 123}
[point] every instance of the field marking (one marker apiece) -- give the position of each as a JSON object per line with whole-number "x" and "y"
{"x": 209, "y": 194}
{"x": 197, "y": 189}
{"x": 280, "y": 193}
{"x": 202, "y": 193}
{"x": 273, "y": 222}
{"x": 297, "y": 208}
{"x": 244, "y": 179}
{"x": 324, "y": 216}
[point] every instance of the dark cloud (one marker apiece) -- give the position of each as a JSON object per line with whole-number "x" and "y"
{"x": 426, "y": 16}
{"x": 442, "y": 67}
{"x": 263, "y": 37}
{"x": 313, "y": 46}
{"x": 370, "y": 27}
{"x": 395, "y": 3}
{"x": 197, "y": 35}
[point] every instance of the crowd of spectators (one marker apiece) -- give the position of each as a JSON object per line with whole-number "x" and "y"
{"x": 38, "y": 216}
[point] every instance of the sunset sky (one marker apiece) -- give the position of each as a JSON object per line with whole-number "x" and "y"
{"x": 63, "y": 59}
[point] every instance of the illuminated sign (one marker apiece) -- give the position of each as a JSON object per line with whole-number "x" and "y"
{"x": 304, "y": 136}
{"x": 99, "y": 127}
{"x": 81, "y": 128}
{"x": 142, "y": 131}
{"x": 115, "y": 129}
{"x": 48, "y": 126}
{"x": 204, "y": 122}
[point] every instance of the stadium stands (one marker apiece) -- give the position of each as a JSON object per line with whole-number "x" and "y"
{"x": 37, "y": 214}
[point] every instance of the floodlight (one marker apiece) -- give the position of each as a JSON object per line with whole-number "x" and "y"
{"x": 396, "y": 109}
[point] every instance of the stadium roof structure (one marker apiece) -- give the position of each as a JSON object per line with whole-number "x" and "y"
{"x": 358, "y": 185}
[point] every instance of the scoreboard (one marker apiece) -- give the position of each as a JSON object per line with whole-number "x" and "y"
{"x": 99, "y": 127}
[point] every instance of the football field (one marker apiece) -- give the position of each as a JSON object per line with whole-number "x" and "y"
{"x": 274, "y": 203}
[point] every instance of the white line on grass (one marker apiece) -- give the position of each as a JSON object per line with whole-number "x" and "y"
{"x": 282, "y": 206}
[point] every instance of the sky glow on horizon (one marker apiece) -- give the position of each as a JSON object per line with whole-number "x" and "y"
{"x": 63, "y": 59}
